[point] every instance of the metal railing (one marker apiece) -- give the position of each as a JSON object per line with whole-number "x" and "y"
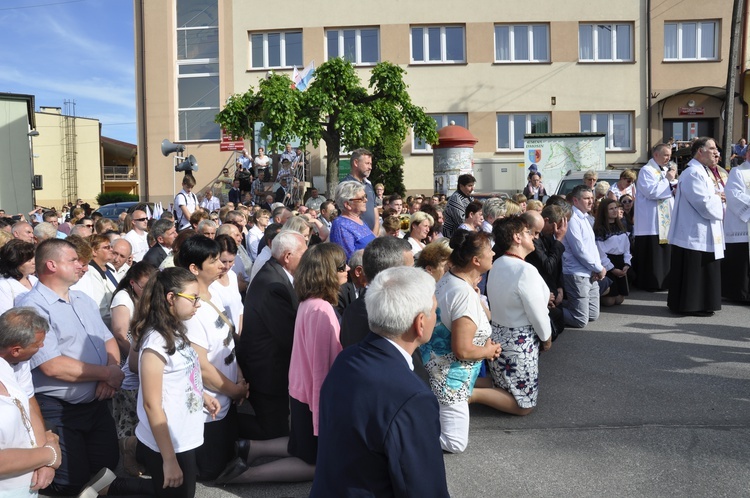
{"x": 120, "y": 172}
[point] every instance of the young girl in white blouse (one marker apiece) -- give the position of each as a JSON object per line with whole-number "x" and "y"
{"x": 171, "y": 397}
{"x": 614, "y": 249}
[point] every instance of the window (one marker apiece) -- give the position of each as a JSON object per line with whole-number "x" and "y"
{"x": 605, "y": 42}
{"x": 691, "y": 41}
{"x": 438, "y": 44}
{"x": 441, "y": 120}
{"x": 272, "y": 50}
{"x": 617, "y": 125}
{"x": 358, "y": 46}
{"x": 197, "y": 70}
{"x": 522, "y": 43}
{"x": 512, "y": 127}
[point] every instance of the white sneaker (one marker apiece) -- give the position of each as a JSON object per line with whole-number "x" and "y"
{"x": 101, "y": 480}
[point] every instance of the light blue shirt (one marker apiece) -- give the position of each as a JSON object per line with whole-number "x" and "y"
{"x": 581, "y": 256}
{"x": 76, "y": 331}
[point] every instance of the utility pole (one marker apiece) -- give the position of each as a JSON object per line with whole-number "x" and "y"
{"x": 734, "y": 55}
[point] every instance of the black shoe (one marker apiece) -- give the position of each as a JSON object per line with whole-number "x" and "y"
{"x": 236, "y": 468}
{"x": 697, "y": 313}
{"x": 242, "y": 449}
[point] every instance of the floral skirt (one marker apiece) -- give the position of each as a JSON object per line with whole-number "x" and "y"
{"x": 125, "y": 412}
{"x": 516, "y": 370}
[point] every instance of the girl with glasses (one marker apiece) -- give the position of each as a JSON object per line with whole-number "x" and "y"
{"x": 171, "y": 399}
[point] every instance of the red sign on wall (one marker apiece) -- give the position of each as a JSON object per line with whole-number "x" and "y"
{"x": 691, "y": 111}
{"x": 228, "y": 144}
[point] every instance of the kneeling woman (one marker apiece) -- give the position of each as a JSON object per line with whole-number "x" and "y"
{"x": 171, "y": 397}
{"x": 519, "y": 298}
{"x": 460, "y": 340}
{"x": 614, "y": 250}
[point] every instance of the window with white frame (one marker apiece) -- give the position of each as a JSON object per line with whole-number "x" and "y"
{"x": 512, "y": 127}
{"x": 441, "y": 120}
{"x": 359, "y": 46}
{"x": 197, "y": 70}
{"x": 522, "y": 43}
{"x": 438, "y": 44}
{"x": 617, "y": 125}
{"x": 605, "y": 42}
{"x": 691, "y": 40}
{"x": 275, "y": 50}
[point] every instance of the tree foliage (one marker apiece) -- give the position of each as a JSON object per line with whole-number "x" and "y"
{"x": 337, "y": 109}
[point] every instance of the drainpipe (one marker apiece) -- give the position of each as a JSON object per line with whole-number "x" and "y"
{"x": 648, "y": 77}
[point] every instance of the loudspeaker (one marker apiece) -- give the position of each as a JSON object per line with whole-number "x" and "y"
{"x": 168, "y": 147}
{"x": 38, "y": 183}
{"x": 189, "y": 164}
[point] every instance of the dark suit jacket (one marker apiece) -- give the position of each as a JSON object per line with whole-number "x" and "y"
{"x": 347, "y": 295}
{"x": 547, "y": 258}
{"x": 235, "y": 196}
{"x": 379, "y": 431}
{"x": 354, "y": 328}
{"x": 268, "y": 330}
{"x": 155, "y": 255}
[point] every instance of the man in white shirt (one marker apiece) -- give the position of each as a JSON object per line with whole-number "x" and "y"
{"x": 582, "y": 267}
{"x": 315, "y": 200}
{"x": 138, "y": 236}
{"x": 209, "y": 202}
{"x": 121, "y": 258}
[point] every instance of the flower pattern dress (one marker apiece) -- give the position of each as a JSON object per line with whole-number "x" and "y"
{"x": 517, "y": 368}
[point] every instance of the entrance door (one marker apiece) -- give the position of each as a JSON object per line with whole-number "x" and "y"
{"x": 684, "y": 130}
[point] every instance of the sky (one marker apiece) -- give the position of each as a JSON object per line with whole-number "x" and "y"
{"x": 78, "y": 50}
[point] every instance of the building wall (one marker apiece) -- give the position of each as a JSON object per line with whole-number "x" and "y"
{"x": 49, "y": 146}
{"x": 480, "y": 87}
{"x": 15, "y": 155}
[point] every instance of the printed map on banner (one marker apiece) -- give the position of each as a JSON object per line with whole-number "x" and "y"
{"x": 556, "y": 154}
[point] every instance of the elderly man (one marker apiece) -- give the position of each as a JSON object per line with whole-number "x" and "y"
{"x": 457, "y": 202}
{"x": 654, "y": 202}
{"x": 209, "y": 202}
{"x": 361, "y": 163}
{"x": 697, "y": 236}
{"x": 266, "y": 343}
{"x": 121, "y": 258}
{"x": 24, "y": 231}
{"x": 288, "y": 154}
{"x": 138, "y": 235}
{"x": 379, "y": 425}
{"x": 23, "y": 333}
{"x": 76, "y": 371}
{"x": 327, "y": 213}
{"x": 582, "y": 267}
{"x": 44, "y": 231}
{"x": 164, "y": 232}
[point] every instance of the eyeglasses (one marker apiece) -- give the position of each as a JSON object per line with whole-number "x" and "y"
{"x": 359, "y": 199}
{"x": 342, "y": 267}
{"x": 88, "y": 226}
{"x": 196, "y": 300}
{"x": 140, "y": 219}
{"x": 626, "y": 202}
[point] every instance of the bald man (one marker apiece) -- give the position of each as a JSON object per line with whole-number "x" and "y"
{"x": 23, "y": 231}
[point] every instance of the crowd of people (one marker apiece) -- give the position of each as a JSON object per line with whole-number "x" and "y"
{"x": 342, "y": 339}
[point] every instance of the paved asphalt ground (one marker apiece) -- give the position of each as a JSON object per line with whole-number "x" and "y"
{"x": 640, "y": 403}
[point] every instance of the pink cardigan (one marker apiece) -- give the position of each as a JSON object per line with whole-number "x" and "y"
{"x": 316, "y": 345}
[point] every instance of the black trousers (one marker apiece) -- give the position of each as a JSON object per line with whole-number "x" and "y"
{"x": 154, "y": 464}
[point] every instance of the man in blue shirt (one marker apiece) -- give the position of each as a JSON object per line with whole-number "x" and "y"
{"x": 582, "y": 266}
{"x": 75, "y": 372}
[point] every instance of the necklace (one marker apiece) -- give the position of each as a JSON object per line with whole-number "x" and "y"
{"x": 514, "y": 255}
{"x": 461, "y": 278}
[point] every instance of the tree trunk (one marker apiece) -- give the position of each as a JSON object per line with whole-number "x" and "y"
{"x": 333, "y": 146}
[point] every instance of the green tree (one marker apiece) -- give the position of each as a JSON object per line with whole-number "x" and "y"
{"x": 335, "y": 108}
